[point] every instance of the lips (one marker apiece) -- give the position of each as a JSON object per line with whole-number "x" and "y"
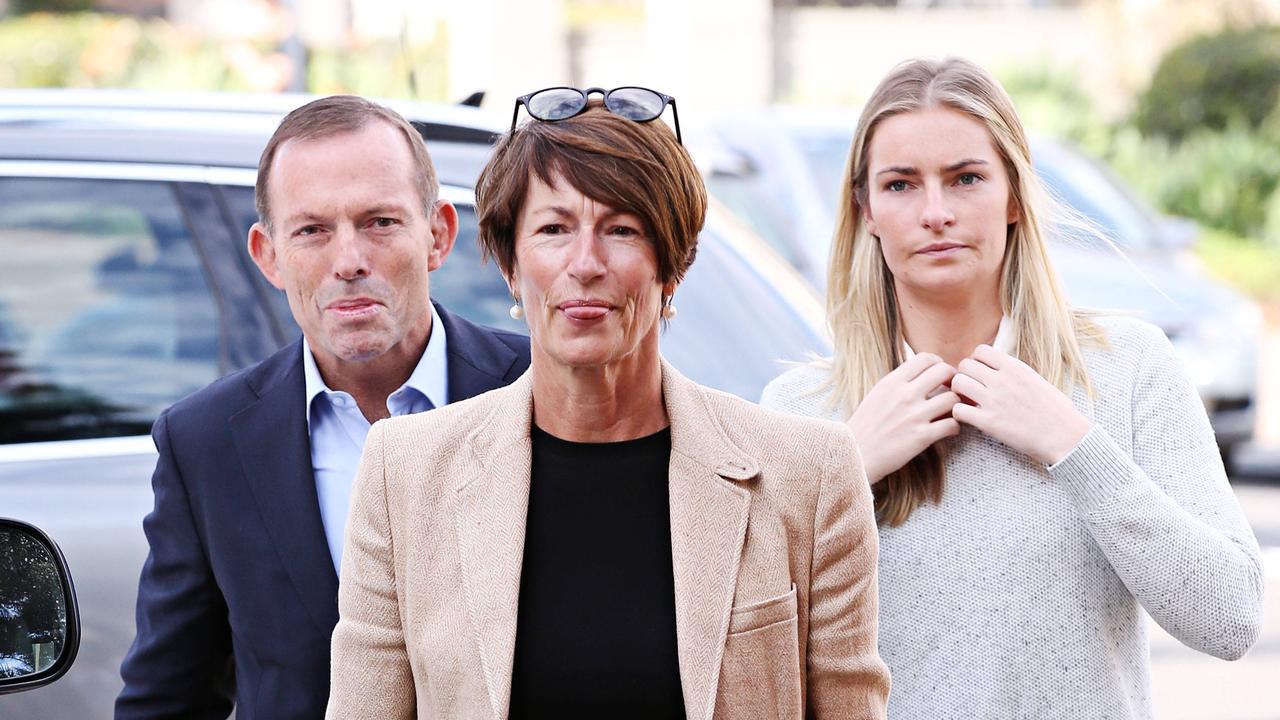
{"x": 940, "y": 248}
{"x": 354, "y": 307}
{"x": 585, "y": 310}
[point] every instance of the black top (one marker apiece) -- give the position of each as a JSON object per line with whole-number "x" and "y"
{"x": 596, "y": 630}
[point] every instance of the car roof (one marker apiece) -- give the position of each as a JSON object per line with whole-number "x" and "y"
{"x": 210, "y": 129}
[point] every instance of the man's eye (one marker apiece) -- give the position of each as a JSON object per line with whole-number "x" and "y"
{"x": 384, "y": 222}
{"x": 307, "y": 230}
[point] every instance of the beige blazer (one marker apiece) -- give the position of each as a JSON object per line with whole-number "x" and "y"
{"x": 773, "y": 547}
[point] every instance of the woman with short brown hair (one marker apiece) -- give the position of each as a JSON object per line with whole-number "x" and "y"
{"x": 604, "y": 537}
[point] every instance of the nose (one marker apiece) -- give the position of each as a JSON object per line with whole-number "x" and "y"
{"x": 936, "y": 214}
{"x": 350, "y": 260}
{"x": 587, "y": 261}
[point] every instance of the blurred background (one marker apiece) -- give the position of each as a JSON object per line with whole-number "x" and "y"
{"x": 1158, "y": 120}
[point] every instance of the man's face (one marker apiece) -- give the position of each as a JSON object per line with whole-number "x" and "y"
{"x": 351, "y": 243}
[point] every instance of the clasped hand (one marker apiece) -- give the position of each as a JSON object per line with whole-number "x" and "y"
{"x": 925, "y": 399}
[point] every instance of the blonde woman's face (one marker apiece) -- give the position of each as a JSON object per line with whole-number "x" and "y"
{"x": 939, "y": 200}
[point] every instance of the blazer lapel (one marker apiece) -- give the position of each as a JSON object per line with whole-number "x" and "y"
{"x": 708, "y": 528}
{"x": 491, "y": 511}
{"x": 275, "y": 452}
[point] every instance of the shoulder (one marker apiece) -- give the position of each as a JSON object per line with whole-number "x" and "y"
{"x": 801, "y": 390}
{"x": 1130, "y": 346}
{"x": 444, "y": 429}
{"x": 231, "y": 393}
{"x": 768, "y": 433}
{"x": 1128, "y": 334}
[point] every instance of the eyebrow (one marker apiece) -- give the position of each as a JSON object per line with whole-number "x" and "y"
{"x": 565, "y": 212}
{"x": 908, "y": 170}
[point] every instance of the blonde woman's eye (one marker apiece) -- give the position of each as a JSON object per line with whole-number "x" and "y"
{"x": 896, "y": 185}
{"x": 969, "y": 179}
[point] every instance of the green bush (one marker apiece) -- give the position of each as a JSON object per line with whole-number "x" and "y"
{"x": 1229, "y": 180}
{"x": 89, "y": 50}
{"x": 1212, "y": 82}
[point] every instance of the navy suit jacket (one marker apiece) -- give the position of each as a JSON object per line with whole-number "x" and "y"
{"x": 238, "y": 596}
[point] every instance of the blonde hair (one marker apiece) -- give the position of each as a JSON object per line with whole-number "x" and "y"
{"x": 861, "y": 304}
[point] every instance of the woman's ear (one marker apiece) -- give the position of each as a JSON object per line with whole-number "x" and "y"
{"x": 869, "y": 221}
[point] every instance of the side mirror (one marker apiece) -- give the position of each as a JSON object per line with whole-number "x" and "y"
{"x": 39, "y": 620}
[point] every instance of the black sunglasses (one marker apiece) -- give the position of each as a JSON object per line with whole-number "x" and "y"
{"x": 561, "y": 103}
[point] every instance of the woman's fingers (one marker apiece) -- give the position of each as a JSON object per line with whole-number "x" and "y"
{"x": 969, "y": 388}
{"x": 977, "y": 370}
{"x": 969, "y": 415}
{"x": 937, "y": 374}
{"x": 911, "y": 369}
{"x": 939, "y": 406}
{"x": 943, "y": 428}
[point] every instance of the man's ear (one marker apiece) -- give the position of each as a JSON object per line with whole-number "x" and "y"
{"x": 444, "y": 231}
{"x": 263, "y": 252}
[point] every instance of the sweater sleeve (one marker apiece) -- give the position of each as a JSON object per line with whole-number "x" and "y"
{"x": 1166, "y": 518}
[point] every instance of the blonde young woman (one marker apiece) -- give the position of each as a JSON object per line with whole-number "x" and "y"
{"x": 1041, "y": 476}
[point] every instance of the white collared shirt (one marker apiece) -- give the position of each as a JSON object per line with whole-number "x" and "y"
{"x": 338, "y": 429}
{"x": 1003, "y": 341}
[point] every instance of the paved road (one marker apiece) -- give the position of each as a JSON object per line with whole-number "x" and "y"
{"x": 1191, "y": 686}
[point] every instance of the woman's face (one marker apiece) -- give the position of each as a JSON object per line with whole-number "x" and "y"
{"x": 587, "y": 275}
{"x": 939, "y": 200}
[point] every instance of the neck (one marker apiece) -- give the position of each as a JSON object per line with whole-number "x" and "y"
{"x": 370, "y": 382}
{"x": 950, "y": 327}
{"x": 604, "y": 403}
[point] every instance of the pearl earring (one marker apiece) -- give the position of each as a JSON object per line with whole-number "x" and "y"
{"x": 668, "y": 310}
{"x": 516, "y": 312}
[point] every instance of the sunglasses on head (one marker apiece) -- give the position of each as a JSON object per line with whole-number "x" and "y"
{"x": 561, "y": 103}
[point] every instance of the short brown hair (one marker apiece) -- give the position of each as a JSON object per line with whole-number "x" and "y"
{"x": 334, "y": 115}
{"x": 634, "y": 167}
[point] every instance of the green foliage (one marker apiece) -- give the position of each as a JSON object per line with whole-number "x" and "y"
{"x": 22, "y": 7}
{"x": 1051, "y": 102}
{"x": 1251, "y": 267}
{"x": 386, "y": 69}
{"x": 91, "y": 50}
{"x": 1229, "y": 180}
{"x": 1212, "y": 82}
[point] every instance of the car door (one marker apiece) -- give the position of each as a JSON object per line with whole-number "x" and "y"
{"x": 109, "y": 313}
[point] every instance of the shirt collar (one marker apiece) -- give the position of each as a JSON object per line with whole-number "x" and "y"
{"x": 1003, "y": 341}
{"x": 429, "y": 377}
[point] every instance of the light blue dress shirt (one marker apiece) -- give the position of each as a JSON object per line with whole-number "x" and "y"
{"x": 338, "y": 429}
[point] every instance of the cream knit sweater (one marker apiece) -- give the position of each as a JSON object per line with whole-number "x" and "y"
{"x": 1021, "y": 594}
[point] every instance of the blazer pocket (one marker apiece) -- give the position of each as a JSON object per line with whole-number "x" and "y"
{"x": 761, "y": 614}
{"x": 760, "y": 674}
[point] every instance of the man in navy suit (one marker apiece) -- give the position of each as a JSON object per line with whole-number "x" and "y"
{"x": 238, "y": 596}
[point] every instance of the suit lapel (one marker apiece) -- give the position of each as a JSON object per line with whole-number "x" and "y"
{"x": 275, "y": 452}
{"x": 708, "y": 528}
{"x": 492, "y": 507}
{"x": 478, "y": 361}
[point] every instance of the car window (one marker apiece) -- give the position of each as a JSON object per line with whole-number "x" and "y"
{"x": 105, "y": 314}
{"x": 1091, "y": 191}
{"x": 733, "y": 328}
